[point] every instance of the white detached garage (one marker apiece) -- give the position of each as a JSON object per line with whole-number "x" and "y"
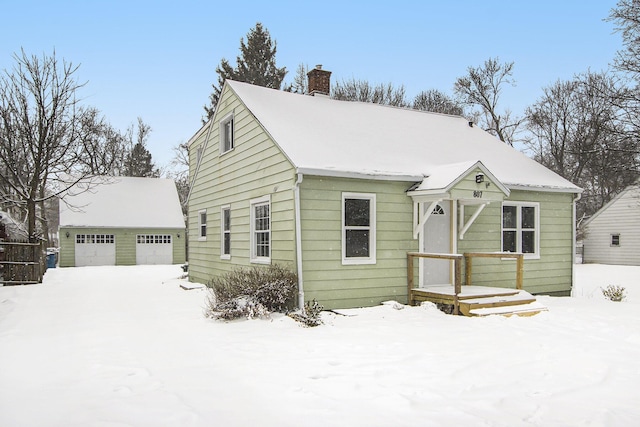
{"x": 122, "y": 221}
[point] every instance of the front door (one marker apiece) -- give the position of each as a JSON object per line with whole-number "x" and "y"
{"x": 437, "y": 239}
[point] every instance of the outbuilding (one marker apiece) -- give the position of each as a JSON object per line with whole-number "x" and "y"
{"x": 121, "y": 221}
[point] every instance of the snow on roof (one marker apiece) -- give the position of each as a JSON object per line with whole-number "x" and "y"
{"x": 327, "y": 136}
{"x": 123, "y": 202}
{"x": 443, "y": 177}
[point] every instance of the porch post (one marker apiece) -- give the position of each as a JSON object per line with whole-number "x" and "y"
{"x": 457, "y": 285}
{"x": 519, "y": 271}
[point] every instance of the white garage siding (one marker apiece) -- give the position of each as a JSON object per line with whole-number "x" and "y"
{"x": 154, "y": 249}
{"x": 95, "y": 249}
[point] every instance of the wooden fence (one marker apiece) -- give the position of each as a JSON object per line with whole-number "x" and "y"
{"x": 22, "y": 263}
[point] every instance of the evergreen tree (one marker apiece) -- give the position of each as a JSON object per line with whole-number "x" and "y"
{"x": 256, "y": 64}
{"x": 138, "y": 160}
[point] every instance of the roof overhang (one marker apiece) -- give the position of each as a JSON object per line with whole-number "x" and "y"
{"x": 375, "y": 175}
{"x": 454, "y": 181}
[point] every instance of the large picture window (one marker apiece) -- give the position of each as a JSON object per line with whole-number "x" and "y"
{"x": 358, "y": 228}
{"x": 520, "y": 228}
{"x": 261, "y": 230}
{"x": 225, "y": 233}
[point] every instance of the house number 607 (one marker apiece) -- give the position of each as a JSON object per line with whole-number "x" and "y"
{"x": 477, "y": 194}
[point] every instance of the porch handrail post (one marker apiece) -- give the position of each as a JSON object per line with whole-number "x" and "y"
{"x": 519, "y": 271}
{"x": 457, "y": 285}
{"x": 467, "y": 268}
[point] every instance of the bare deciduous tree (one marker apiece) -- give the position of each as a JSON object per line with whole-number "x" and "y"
{"x": 363, "y": 91}
{"x": 577, "y": 130}
{"x": 44, "y": 134}
{"x": 438, "y": 102}
{"x": 482, "y": 87}
{"x": 180, "y": 172}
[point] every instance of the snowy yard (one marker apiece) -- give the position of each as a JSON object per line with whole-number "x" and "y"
{"x": 126, "y": 346}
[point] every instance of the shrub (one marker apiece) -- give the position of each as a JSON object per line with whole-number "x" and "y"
{"x": 251, "y": 292}
{"x": 614, "y": 293}
{"x": 310, "y": 315}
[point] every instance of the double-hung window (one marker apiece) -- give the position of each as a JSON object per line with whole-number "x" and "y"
{"x": 521, "y": 228}
{"x": 225, "y": 233}
{"x": 261, "y": 230}
{"x": 226, "y": 134}
{"x": 202, "y": 225}
{"x": 358, "y": 228}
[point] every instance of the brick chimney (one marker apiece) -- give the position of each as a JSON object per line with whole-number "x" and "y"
{"x": 319, "y": 81}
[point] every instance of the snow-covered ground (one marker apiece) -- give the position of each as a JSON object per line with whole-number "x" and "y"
{"x": 126, "y": 346}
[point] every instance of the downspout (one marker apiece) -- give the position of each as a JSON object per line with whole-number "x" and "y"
{"x": 298, "y": 226}
{"x": 573, "y": 246}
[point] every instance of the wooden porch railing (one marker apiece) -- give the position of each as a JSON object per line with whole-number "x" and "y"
{"x": 468, "y": 264}
{"x": 457, "y": 273}
{"x": 457, "y": 262}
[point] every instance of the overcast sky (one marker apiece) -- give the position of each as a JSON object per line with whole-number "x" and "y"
{"x": 157, "y": 59}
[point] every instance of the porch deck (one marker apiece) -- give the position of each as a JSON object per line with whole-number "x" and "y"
{"x": 470, "y": 300}
{"x": 480, "y": 300}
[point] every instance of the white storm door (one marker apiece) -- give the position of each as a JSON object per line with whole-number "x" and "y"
{"x": 95, "y": 249}
{"x": 154, "y": 249}
{"x": 437, "y": 239}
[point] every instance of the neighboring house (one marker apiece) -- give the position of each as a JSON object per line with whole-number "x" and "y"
{"x": 122, "y": 221}
{"x": 612, "y": 235}
{"x": 10, "y": 229}
{"x": 341, "y": 191}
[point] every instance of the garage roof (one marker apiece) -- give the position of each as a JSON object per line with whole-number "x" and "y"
{"x": 122, "y": 202}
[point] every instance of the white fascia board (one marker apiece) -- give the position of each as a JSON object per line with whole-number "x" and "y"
{"x": 378, "y": 176}
{"x": 575, "y": 190}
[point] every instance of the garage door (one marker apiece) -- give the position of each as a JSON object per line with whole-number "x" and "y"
{"x": 95, "y": 249}
{"x": 154, "y": 249}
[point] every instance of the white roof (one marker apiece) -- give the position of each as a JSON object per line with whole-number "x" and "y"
{"x": 324, "y": 136}
{"x": 123, "y": 202}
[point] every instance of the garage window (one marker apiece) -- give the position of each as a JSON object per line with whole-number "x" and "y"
{"x": 107, "y": 239}
{"x": 154, "y": 239}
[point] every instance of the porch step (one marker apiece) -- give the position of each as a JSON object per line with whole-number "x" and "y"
{"x": 522, "y": 310}
{"x": 520, "y": 302}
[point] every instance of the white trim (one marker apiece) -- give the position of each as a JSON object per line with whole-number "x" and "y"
{"x": 202, "y": 237}
{"x": 377, "y": 176}
{"x": 371, "y": 259}
{"x": 253, "y": 257}
{"x": 518, "y": 229}
{"x": 223, "y": 232}
{"x": 421, "y": 220}
{"x": 222, "y": 124}
{"x": 464, "y": 227}
{"x": 572, "y": 190}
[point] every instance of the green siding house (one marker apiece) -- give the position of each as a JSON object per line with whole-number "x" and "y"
{"x": 121, "y": 221}
{"x": 342, "y": 191}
